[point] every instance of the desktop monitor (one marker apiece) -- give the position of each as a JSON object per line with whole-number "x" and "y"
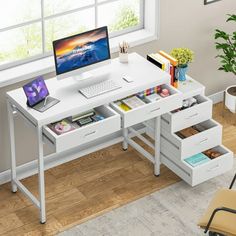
{"x": 81, "y": 53}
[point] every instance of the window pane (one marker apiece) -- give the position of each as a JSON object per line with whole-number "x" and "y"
{"x": 57, "y": 6}
{"x": 119, "y": 15}
{"x": 67, "y": 25}
{"x": 14, "y": 12}
{"x": 20, "y": 43}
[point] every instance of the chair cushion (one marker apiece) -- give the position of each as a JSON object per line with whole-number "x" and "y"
{"x": 223, "y": 222}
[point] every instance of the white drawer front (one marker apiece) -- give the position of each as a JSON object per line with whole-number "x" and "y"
{"x": 197, "y": 143}
{"x": 201, "y": 173}
{"x": 86, "y": 133}
{"x": 173, "y": 122}
{"x": 150, "y": 110}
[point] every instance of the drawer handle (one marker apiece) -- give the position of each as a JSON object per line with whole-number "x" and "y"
{"x": 91, "y": 133}
{"x": 196, "y": 114}
{"x": 155, "y": 110}
{"x": 213, "y": 168}
{"x": 203, "y": 141}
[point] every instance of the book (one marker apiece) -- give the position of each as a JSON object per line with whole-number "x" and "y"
{"x": 172, "y": 60}
{"x": 197, "y": 159}
{"x": 122, "y": 106}
{"x": 62, "y": 126}
{"x": 172, "y": 74}
{"x": 164, "y": 60}
{"x": 154, "y": 61}
{"x": 82, "y": 115}
{"x": 133, "y": 102}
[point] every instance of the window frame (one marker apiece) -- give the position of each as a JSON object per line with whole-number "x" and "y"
{"x": 43, "y": 18}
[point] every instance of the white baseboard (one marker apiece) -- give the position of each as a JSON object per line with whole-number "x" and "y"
{"x": 31, "y": 168}
{"x": 217, "y": 97}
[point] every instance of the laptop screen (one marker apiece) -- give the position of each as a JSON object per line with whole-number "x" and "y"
{"x": 36, "y": 91}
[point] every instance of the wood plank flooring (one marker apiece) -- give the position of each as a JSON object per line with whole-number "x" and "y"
{"x": 87, "y": 187}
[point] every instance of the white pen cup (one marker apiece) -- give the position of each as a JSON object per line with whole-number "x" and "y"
{"x": 123, "y": 57}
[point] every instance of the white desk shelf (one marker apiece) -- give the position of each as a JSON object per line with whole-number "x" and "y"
{"x": 168, "y": 148}
{"x": 144, "y": 74}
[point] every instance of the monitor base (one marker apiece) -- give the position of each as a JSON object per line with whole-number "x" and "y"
{"x": 83, "y": 76}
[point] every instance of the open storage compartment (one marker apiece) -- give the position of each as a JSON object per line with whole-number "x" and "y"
{"x": 150, "y": 110}
{"x": 87, "y": 133}
{"x": 210, "y": 136}
{"x": 196, "y": 175}
{"x": 177, "y": 120}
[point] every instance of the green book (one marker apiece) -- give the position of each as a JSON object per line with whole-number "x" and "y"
{"x": 197, "y": 159}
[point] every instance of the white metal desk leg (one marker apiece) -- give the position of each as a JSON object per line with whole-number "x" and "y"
{"x": 12, "y": 146}
{"x": 125, "y": 136}
{"x": 157, "y": 146}
{"x": 41, "y": 177}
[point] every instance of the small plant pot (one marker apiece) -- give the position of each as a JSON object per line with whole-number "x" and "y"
{"x": 123, "y": 57}
{"x": 230, "y": 98}
{"x": 181, "y": 72}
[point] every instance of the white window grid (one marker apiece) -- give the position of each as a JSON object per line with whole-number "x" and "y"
{"x": 43, "y": 18}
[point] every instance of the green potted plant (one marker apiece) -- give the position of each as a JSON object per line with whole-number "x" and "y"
{"x": 184, "y": 56}
{"x": 226, "y": 45}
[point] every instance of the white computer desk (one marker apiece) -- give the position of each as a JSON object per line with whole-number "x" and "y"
{"x": 144, "y": 74}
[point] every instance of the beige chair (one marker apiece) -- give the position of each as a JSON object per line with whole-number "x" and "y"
{"x": 220, "y": 217}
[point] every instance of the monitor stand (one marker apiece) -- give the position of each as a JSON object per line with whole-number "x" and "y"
{"x": 83, "y": 76}
{"x": 89, "y": 78}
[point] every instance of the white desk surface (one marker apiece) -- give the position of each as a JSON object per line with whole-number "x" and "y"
{"x": 144, "y": 74}
{"x": 190, "y": 87}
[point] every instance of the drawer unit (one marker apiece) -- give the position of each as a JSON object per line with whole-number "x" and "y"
{"x": 87, "y": 133}
{"x": 150, "y": 110}
{"x": 211, "y": 136}
{"x": 173, "y": 122}
{"x": 203, "y": 172}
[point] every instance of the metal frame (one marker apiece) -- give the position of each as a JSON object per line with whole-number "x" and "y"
{"x": 221, "y": 209}
{"x": 155, "y": 159}
{"x": 43, "y": 18}
{"x": 127, "y": 133}
{"x": 15, "y": 183}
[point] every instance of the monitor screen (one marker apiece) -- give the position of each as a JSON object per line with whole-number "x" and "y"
{"x": 81, "y": 50}
{"x": 35, "y": 91}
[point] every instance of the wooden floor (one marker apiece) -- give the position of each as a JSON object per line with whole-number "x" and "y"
{"x": 89, "y": 186}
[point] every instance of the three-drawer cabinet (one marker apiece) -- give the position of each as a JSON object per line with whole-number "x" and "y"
{"x": 191, "y": 133}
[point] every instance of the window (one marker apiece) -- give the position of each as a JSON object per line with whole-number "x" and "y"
{"x": 28, "y": 27}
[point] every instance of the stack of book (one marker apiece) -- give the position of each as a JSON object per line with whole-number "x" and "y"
{"x": 165, "y": 62}
{"x": 82, "y": 115}
{"x": 129, "y": 103}
{"x": 197, "y": 159}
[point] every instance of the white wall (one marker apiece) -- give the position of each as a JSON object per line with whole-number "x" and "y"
{"x": 184, "y": 23}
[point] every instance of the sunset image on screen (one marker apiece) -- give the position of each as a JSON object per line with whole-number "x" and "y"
{"x": 81, "y": 50}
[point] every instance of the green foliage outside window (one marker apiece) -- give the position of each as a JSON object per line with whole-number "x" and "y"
{"x": 126, "y": 17}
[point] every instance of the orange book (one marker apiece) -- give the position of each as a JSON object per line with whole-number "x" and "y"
{"x": 172, "y": 60}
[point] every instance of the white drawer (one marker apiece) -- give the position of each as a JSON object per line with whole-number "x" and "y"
{"x": 203, "y": 172}
{"x": 210, "y": 137}
{"x": 173, "y": 122}
{"x": 87, "y": 133}
{"x": 150, "y": 110}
